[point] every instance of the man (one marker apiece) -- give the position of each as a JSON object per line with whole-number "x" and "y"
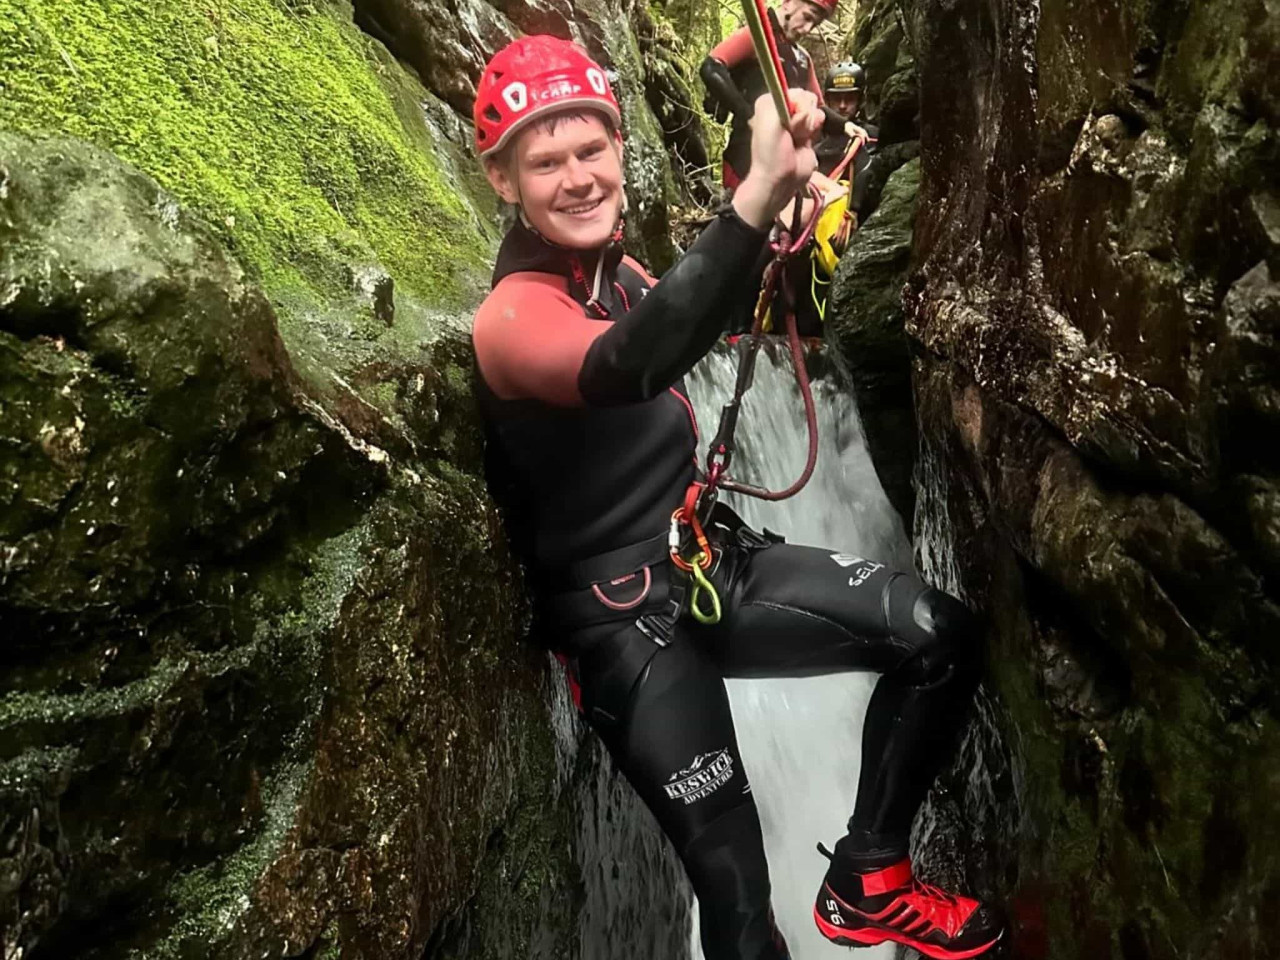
{"x": 846, "y": 202}
{"x": 592, "y": 445}
{"x": 734, "y": 79}
{"x": 844, "y": 88}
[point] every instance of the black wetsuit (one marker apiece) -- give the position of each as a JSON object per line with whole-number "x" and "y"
{"x": 831, "y": 150}
{"x": 591, "y": 446}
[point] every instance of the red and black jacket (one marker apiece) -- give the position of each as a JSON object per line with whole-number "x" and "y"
{"x": 734, "y": 80}
{"x": 591, "y": 436}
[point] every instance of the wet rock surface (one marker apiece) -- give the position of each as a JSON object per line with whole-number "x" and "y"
{"x": 1095, "y": 307}
{"x": 263, "y": 692}
{"x": 866, "y": 318}
{"x": 236, "y": 638}
{"x": 883, "y": 43}
{"x": 867, "y": 327}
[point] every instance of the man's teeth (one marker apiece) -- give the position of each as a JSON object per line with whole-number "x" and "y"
{"x": 583, "y": 208}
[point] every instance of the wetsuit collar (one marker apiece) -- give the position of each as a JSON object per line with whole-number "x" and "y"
{"x": 525, "y": 250}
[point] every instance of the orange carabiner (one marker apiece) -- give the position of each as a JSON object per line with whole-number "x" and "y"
{"x": 678, "y": 520}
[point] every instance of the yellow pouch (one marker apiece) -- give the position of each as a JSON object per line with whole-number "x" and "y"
{"x": 829, "y": 236}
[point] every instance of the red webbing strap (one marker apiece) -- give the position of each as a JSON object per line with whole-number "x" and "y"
{"x": 884, "y": 881}
{"x": 856, "y": 145}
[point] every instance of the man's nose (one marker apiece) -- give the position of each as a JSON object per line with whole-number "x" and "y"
{"x": 576, "y": 176}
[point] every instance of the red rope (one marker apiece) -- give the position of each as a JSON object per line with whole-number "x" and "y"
{"x": 810, "y": 416}
{"x": 854, "y": 147}
{"x": 785, "y": 248}
{"x": 718, "y": 457}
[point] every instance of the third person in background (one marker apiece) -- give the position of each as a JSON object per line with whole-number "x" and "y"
{"x": 734, "y": 79}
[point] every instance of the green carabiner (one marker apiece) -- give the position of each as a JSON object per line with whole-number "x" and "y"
{"x": 702, "y": 584}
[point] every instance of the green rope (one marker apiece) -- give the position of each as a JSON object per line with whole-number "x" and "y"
{"x": 702, "y": 585}
{"x": 819, "y": 302}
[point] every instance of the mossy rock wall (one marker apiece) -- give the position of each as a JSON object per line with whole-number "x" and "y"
{"x": 865, "y": 324}
{"x": 866, "y": 320}
{"x": 1096, "y": 307}
{"x": 883, "y": 42}
{"x": 262, "y": 687}
{"x": 295, "y": 136}
{"x": 249, "y": 677}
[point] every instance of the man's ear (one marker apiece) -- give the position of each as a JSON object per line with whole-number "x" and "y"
{"x": 617, "y": 142}
{"x": 502, "y": 179}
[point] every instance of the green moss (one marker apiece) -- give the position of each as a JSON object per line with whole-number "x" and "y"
{"x": 27, "y": 707}
{"x": 287, "y": 129}
{"x": 210, "y": 899}
{"x": 31, "y": 768}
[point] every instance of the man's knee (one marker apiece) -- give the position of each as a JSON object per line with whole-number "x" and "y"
{"x": 943, "y": 634}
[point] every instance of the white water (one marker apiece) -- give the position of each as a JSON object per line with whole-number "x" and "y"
{"x": 801, "y": 739}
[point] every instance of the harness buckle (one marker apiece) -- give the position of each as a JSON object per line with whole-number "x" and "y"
{"x": 656, "y": 629}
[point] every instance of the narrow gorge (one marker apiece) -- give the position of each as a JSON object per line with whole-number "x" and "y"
{"x": 262, "y": 685}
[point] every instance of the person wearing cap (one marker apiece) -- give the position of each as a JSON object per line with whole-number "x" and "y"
{"x": 844, "y": 89}
{"x": 734, "y": 80}
{"x": 591, "y": 450}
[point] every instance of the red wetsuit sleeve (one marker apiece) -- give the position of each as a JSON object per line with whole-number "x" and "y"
{"x": 735, "y": 48}
{"x": 531, "y": 338}
{"x": 534, "y": 342}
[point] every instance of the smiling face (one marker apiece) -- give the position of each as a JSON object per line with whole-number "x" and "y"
{"x": 798, "y": 18}
{"x": 566, "y": 175}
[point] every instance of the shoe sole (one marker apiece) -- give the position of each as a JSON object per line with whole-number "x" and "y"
{"x": 869, "y": 937}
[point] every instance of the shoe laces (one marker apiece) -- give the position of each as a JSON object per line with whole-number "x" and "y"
{"x": 944, "y": 910}
{"x": 929, "y": 890}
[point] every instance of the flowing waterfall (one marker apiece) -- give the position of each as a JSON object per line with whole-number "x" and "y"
{"x": 803, "y": 784}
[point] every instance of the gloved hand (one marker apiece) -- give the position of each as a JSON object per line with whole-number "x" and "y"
{"x": 852, "y": 130}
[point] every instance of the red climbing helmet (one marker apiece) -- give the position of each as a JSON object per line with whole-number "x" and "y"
{"x": 828, "y": 6}
{"x": 531, "y": 77}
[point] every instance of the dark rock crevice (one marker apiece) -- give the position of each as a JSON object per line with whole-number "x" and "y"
{"x": 1089, "y": 262}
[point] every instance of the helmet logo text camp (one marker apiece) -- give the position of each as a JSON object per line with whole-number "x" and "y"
{"x": 596, "y": 79}
{"x": 557, "y": 89}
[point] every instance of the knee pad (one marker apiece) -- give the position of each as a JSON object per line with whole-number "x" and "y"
{"x": 939, "y": 628}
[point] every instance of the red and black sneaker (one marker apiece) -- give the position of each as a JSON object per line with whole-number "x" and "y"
{"x": 890, "y": 904}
